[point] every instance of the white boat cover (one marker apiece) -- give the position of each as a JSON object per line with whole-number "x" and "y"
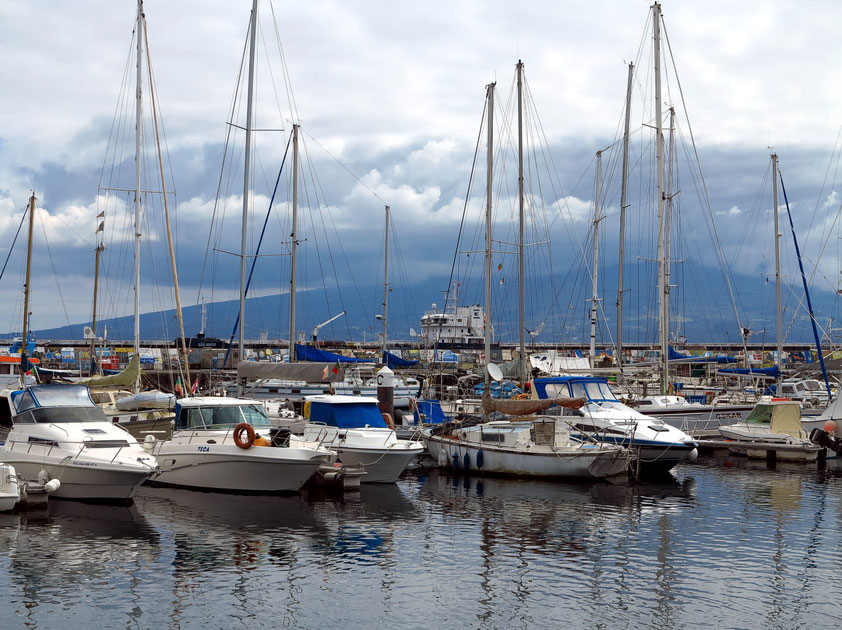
{"x": 152, "y": 399}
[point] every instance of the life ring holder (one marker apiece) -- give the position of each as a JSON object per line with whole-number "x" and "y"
{"x": 238, "y": 435}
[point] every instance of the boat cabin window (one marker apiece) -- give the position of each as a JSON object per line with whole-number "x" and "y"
{"x": 222, "y": 417}
{"x": 761, "y": 414}
{"x": 5, "y": 412}
{"x": 812, "y": 385}
{"x": 101, "y": 398}
{"x": 592, "y": 390}
{"x": 57, "y": 415}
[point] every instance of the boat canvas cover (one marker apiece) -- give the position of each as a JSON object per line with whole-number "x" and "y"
{"x": 431, "y": 410}
{"x": 347, "y": 415}
{"x": 125, "y": 378}
{"x": 394, "y": 361}
{"x": 786, "y": 419}
{"x": 309, "y": 353}
{"x": 146, "y": 400}
{"x": 307, "y": 372}
{"x": 528, "y": 406}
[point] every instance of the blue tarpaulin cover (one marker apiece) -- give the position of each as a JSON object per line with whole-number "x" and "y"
{"x": 347, "y": 415}
{"x": 309, "y": 353}
{"x": 394, "y": 361}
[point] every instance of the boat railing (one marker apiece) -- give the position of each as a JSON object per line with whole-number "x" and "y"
{"x": 52, "y": 444}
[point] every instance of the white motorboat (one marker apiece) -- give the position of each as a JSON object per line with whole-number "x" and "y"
{"x": 354, "y": 427}
{"x": 59, "y": 433}
{"x": 229, "y": 444}
{"x": 9, "y": 488}
{"x": 605, "y": 418}
{"x": 541, "y": 447}
{"x": 773, "y": 422}
{"x": 691, "y": 417}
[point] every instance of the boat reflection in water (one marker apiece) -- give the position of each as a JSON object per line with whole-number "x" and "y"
{"x": 68, "y": 550}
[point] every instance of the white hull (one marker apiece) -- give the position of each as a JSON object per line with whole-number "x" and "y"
{"x": 584, "y": 463}
{"x": 228, "y": 467}
{"x": 382, "y": 465}
{"x": 696, "y": 420}
{"x": 92, "y": 482}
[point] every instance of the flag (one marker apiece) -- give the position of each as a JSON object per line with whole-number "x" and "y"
{"x": 178, "y": 390}
{"x": 500, "y": 267}
{"x": 335, "y": 369}
{"x": 100, "y": 215}
{"x": 195, "y": 387}
{"x": 324, "y": 374}
{"x": 101, "y": 227}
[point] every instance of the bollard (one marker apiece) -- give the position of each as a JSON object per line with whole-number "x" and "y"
{"x": 386, "y": 391}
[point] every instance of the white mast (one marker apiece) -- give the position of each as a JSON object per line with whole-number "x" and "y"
{"x": 597, "y": 217}
{"x": 778, "y": 333}
{"x": 137, "y": 217}
{"x": 294, "y": 243}
{"x": 623, "y": 206}
{"x": 386, "y": 282}
{"x": 659, "y": 146}
{"x": 521, "y": 297}
{"x": 489, "y": 178}
{"x": 247, "y": 164}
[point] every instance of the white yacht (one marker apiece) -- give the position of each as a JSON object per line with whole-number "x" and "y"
{"x": 229, "y": 444}
{"x": 59, "y": 433}
{"x": 354, "y": 427}
{"x": 606, "y": 419}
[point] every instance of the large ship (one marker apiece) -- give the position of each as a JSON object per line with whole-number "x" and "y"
{"x": 457, "y": 326}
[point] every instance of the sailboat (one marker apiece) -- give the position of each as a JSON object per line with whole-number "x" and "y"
{"x": 541, "y": 446}
{"x": 221, "y": 443}
{"x": 59, "y": 433}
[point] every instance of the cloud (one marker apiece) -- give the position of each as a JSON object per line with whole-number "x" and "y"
{"x": 733, "y": 211}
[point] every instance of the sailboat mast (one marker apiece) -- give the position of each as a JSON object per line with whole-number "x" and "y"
{"x": 294, "y": 245}
{"x": 25, "y": 339}
{"x": 137, "y": 147}
{"x": 778, "y": 324}
{"x": 668, "y": 223}
{"x": 659, "y": 146}
{"x": 246, "y": 175}
{"x": 171, "y": 248}
{"x": 623, "y": 205}
{"x": 386, "y": 281}
{"x": 99, "y": 248}
{"x": 489, "y": 180}
{"x": 594, "y": 276}
{"x": 520, "y": 256}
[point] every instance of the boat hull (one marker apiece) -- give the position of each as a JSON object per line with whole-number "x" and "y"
{"x": 86, "y": 481}
{"x": 229, "y": 468}
{"x": 586, "y": 463}
{"x": 382, "y": 465}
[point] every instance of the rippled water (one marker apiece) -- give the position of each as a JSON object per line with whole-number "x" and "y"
{"x": 727, "y": 543}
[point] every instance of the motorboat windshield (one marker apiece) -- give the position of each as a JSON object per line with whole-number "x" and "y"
{"x": 58, "y": 415}
{"x": 52, "y": 395}
{"x": 222, "y": 417}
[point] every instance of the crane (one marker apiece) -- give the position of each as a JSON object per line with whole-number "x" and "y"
{"x": 325, "y": 323}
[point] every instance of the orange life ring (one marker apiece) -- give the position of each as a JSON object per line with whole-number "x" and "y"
{"x": 238, "y": 435}
{"x": 389, "y": 422}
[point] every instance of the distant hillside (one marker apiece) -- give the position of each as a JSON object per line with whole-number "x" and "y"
{"x": 703, "y": 315}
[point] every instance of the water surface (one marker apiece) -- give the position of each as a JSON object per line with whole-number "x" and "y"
{"x": 724, "y": 542}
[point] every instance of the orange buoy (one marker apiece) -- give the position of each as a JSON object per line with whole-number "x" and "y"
{"x": 830, "y": 426}
{"x": 244, "y": 427}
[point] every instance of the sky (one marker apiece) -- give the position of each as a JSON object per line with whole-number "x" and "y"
{"x": 390, "y": 97}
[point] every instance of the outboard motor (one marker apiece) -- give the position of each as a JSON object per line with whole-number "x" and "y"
{"x": 823, "y": 438}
